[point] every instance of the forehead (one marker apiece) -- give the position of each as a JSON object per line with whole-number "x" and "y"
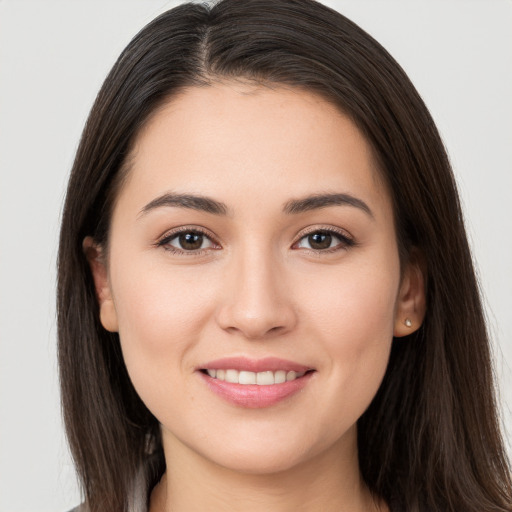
{"x": 233, "y": 140}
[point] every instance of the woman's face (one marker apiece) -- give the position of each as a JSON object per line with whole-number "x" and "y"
{"x": 254, "y": 238}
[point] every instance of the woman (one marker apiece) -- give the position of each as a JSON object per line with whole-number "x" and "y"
{"x": 266, "y": 297}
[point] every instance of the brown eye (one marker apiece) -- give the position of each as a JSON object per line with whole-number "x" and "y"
{"x": 323, "y": 240}
{"x": 320, "y": 240}
{"x": 188, "y": 241}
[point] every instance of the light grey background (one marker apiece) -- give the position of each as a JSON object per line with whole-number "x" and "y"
{"x": 53, "y": 58}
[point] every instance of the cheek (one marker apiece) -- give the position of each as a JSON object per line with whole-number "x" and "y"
{"x": 356, "y": 302}
{"x": 161, "y": 316}
{"x": 155, "y": 302}
{"x": 354, "y": 327}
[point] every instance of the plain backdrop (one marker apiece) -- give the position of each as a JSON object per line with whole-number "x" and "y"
{"x": 54, "y": 56}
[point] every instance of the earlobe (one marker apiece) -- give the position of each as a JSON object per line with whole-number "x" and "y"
{"x": 411, "y": 301}
{"x": 97, "y": 264}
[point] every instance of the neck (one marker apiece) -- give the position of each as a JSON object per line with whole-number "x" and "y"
{"x": 329, "y": 482}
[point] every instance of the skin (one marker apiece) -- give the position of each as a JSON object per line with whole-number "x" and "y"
{"x": 256, "y": 288}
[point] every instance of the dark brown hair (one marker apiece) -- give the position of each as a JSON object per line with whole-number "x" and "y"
{"x": 430, "y": 440}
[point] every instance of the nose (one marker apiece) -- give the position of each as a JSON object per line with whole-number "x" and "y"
{"x": 256, "y": 299}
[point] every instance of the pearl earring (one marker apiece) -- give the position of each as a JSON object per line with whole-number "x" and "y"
{"x": 408, "y": 322}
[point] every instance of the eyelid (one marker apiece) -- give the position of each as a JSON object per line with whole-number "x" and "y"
{"x": 346, "y": 239}
{"x": 163, "y": 240}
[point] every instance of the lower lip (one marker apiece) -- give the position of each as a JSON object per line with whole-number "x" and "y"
{"x": 253, "y": 396}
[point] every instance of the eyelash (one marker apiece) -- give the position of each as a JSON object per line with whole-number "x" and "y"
{"x": 165, "y": 241}
{"x": 345, "y": 241}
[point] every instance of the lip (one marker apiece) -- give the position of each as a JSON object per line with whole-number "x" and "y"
{"x": 241, "y": 363}
{"x": 253, "y": 396}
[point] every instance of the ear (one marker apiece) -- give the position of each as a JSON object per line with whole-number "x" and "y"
{"x": 411, "y": 301}
{"x": 94, "y": 254}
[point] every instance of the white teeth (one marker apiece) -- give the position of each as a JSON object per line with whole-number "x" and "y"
{"x": 280, "y": 377}
{"x": 232, "y": 376}
{"x": 247, "y": 378}
{"x": 265, "y": 378}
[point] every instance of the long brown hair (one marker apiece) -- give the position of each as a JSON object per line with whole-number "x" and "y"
{"x": 430, "y": 440}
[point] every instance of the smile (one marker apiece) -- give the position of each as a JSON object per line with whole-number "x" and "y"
{"x": 255, "y": 384}
{"x": 264, "y": 378}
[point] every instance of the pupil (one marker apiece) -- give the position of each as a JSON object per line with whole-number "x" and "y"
{"x": 320, "y": 240}
{"x": 191, "y": 241}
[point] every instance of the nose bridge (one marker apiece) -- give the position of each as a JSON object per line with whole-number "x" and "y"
{"x": 256, "y": 300}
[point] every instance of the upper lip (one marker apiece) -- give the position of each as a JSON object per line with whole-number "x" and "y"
{"x": 242, "y": 363}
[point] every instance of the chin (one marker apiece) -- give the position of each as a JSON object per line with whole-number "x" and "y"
{"x": 258, "y": 463}
{"x": 268, "y": 455}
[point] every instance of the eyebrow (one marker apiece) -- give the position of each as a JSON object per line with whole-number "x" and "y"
{"x": 317, "y": 201}
{"x": 294, "y": 206}
{"x": 193, "y": 202}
